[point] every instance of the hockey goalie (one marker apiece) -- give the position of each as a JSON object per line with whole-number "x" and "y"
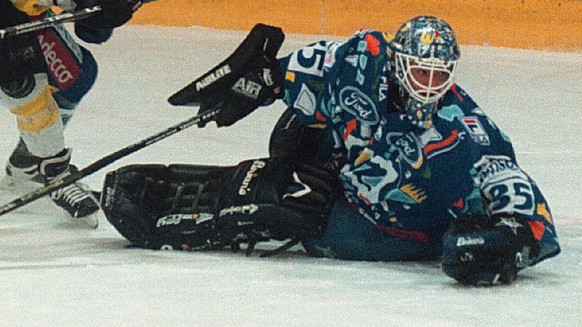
{"x": 379, "y": 156}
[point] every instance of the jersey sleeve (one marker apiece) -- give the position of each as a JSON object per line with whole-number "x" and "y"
{"x": 505, "y": 187}
{"x": 331, "y": 83}
{"x": 308, "y": 72}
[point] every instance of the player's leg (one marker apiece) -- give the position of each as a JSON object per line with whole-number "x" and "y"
{"x": 349, "y": 236}
{"x": 72, "y": 71}
{"x": 25, "y": 91}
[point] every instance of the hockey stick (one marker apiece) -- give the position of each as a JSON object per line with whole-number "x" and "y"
{"x": 48, "y": 22}
{"x": 262, "y": 40}
{"x": 105, "y": 161}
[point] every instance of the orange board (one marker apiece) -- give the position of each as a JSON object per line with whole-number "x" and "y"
{"x": 526, "y": 24}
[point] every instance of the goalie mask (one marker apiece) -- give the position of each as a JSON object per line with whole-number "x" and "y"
{"x": 424, "y": 58}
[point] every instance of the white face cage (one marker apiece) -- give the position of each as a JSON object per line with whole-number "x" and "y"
{"x": 425, "y": 79}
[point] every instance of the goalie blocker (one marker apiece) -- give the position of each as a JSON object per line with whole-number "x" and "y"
{"x": 188, "y": 207}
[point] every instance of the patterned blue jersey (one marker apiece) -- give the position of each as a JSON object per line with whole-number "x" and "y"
{"x": 409, "y": 182}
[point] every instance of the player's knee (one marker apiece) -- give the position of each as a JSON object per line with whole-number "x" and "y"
{"x": 33, "y": 107}
{"x": 38, "y": 119}
{"x": 291, "y": 139}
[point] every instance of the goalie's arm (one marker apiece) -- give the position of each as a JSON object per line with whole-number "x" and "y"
{"x": 253, "y": 77}
{"x": 516, "y": 233}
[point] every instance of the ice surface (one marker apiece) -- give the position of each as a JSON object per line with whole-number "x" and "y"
{"x": 53, "y": 273}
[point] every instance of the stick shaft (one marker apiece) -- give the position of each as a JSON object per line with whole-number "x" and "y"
{"x": 105, "y": 161}
{"x": 48, "y": 22}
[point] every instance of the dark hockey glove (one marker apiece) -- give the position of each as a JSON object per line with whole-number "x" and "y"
{"x": 247, "y": 79}
{"x": 114, "y": 13}
{"x": 92, "y": 35}
{"x": 260, "y": 87}
{"x": 20, "y": 56}
{"x": 482, "y": 250}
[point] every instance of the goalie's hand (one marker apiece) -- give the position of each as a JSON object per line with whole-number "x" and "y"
{"x": 259, "y": 87}
{"x": 482, "y": 250}
{"x": 114, "y": 13}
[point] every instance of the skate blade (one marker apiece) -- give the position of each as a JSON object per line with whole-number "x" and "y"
{"x": 88, "y": 222}
{"x": 14, "y": 188}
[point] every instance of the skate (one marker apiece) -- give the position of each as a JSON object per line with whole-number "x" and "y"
{"x": 22, "y": 169}
{"x": 76, "y": 199}
{"x": 26, "y": 172}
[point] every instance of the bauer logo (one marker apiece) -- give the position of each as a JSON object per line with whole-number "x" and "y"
{"x": 213, "y": 77}
{"x": 248, "y": 209}
{"x": 176, "y": 219}
{"x": 358, "y": 104}
{"x": 251, "y": 173}
{"x": 464, "y": 241}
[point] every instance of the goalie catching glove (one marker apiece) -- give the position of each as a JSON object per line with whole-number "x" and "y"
{"x": 482, "y": 250}
{"x": 191, "y": 207}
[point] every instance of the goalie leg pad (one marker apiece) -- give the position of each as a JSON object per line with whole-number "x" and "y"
{"x": 194, "y": 207}
{"x": 162, "y": 207}
{"x": 278, "y": 199}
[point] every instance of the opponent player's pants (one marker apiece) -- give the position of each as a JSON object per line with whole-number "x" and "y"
{"x": 72, "y": 69}
{"x": 42, "y": 112}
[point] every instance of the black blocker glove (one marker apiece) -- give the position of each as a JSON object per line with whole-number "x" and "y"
{"x": 260, "y": 87}
{"x": 249, "y": 78}
{"x": 480, "y": 250}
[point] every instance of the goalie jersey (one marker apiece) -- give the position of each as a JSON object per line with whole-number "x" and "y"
{"x": 409, "y": 182}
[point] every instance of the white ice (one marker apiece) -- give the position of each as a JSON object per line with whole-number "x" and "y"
{"x": 54, "y": 273}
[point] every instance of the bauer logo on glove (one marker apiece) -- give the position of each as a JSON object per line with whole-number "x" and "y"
{"x": 481, "y": 250}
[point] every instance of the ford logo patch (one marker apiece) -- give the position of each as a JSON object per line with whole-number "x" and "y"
{"x": 358, "y": 104}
